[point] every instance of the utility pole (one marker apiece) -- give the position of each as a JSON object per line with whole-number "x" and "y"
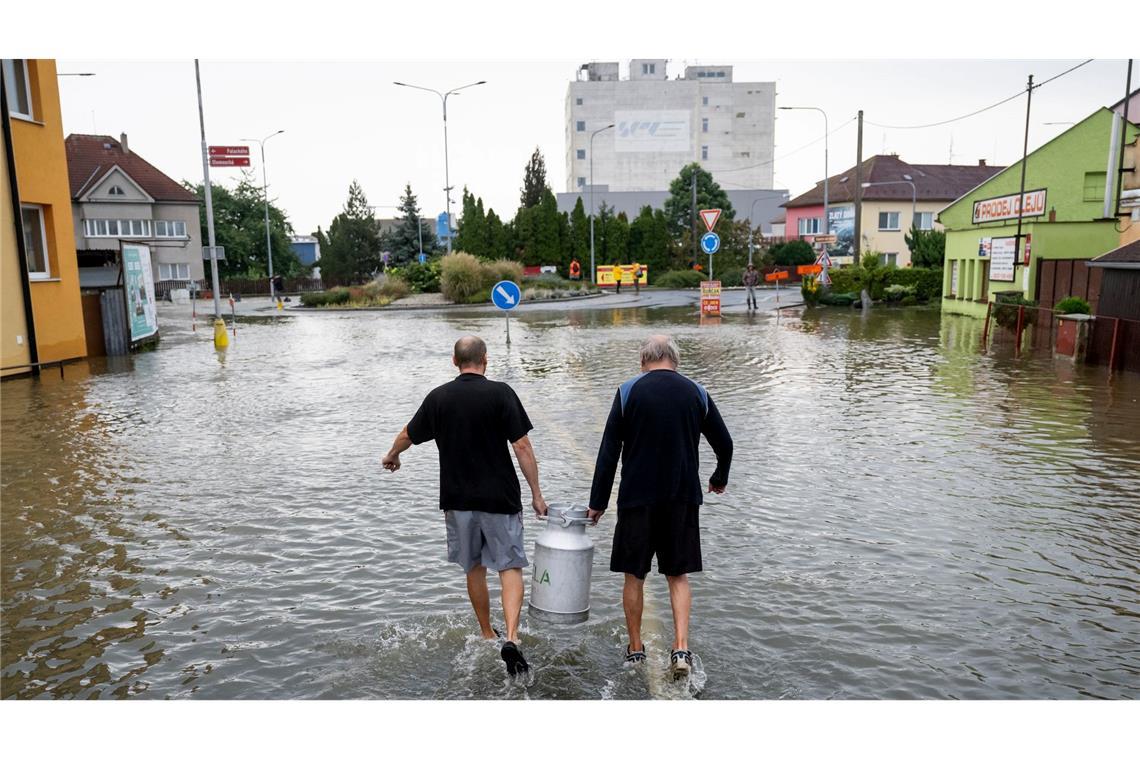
{"x": 221, "y": 340}
{"x": 693, "y": 217}
{"x": 859, "y": 192}
{"x": 1123, "y": 138}
{"x": 1024, "y": 156}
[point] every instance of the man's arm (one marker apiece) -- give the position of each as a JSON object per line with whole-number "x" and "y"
{"x": 403, "y": 442}
{"x": 609, "y": 452}
{"x": 524, "y": 452}
{"x": 716, "y": 434}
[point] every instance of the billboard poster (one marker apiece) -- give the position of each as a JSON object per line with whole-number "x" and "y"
{"x": 841, "y": 223}
{"x": 608, "y": 274}
{"x": 652, "y": 131}
{"x": 1002, "y": 258}
{"x": 139, "y": 283}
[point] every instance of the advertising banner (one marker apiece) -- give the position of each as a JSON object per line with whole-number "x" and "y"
{"x": 841, "y": 223}
{"x": 139, "y": 283}
{"x": 984, "y": 246}
{"x": 1006, "y": 207}
{"x": 608, "y": 274}
{"x": 652, "y": 131}
{"x": 710, "y": 297}
{"x": 1002, "y": 259}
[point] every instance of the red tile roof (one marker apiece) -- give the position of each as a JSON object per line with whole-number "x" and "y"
{"x": 90, "y": 157}
{"x": 932, "y": 182}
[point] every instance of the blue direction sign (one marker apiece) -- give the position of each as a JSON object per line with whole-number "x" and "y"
{"x": 506, "y": 295}
{"x": 710, "y": 242}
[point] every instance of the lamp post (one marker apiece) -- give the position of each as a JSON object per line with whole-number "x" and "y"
{"x": 751, "y": 213}
{"x": 593, "y": 270}
{"x": 265, "y": 192}
{"x": 446, "y": 166}
{"x": 826, "y": 221}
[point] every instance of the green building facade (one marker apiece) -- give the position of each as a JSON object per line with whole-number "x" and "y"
{"x": 1063, "y": 218}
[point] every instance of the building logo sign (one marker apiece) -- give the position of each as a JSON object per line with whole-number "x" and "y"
{"x": 1007, "y": 207}
{"x": 652, "y": 131}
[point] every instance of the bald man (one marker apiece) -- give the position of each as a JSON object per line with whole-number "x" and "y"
{"x": 472, "y": 419}
{"x": 655, "y": 428}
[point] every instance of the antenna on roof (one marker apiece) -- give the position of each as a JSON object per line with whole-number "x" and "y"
{"x": 950, "y": 160}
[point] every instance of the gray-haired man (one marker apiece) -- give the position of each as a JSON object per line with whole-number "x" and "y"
{"x": 471, "y": 420}
{"x": 655, "y": 426}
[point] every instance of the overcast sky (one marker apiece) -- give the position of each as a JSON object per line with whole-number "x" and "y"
{"x": 346, "y": 120}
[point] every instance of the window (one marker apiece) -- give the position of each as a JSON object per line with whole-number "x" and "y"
{"x": 954, "y": 278}
{"x": 888, "y": 220}
{"x": 705, "y": 100}
{"x": 704, "y": 152}
{"x": 581, "y": 153}
{"x": 173, "y": 271}
{"x": 924, "y": 220}
{"x": 581, "y": 182}
{"x": 888, "y": 259}
{"x": 116, "y": 190}
{"x": 740, "y": 114}
{"x": 119, "y": 227}
{"x": 577, "y": 101}
{"x": 809, "y": 226}
{"x": 985, "y": 294}
{"x": 166, "y": 228}
{"x": 649, "y": 68}
{"x": 720, "y": 74}
{"x": 704, "y": 125}
{"x": 1094, "y": 186}
{"x": 18, "y": 85}
{"x": 581, "y": 126}
{"x": 35, "y": 241}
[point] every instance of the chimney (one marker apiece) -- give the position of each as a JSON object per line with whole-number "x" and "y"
{"x": 123, "y": 143}
{"x": 981, "y": 162}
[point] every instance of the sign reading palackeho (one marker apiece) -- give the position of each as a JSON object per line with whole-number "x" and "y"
{"x": 1007, "y": 207}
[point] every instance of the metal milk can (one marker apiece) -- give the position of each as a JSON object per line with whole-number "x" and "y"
{"x": 563, "y": 560}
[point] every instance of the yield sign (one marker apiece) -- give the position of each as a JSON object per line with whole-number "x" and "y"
{"x": 824, "y": 260}
{"x": 709, "y": 217}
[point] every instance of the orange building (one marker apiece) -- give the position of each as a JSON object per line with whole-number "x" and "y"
{"x": 42, "y": 316}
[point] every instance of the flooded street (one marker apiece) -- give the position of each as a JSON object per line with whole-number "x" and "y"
{"x": 905, "y": 518}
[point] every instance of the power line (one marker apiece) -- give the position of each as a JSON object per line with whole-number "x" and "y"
{"x": 805, "y": 146}
{"x": 980, "y": 110}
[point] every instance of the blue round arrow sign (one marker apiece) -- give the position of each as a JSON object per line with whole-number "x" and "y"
{"x": 710, "y": 242}
{"x": 506, "y": 295}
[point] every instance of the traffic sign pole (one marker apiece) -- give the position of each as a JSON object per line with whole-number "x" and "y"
{"x": 506, "y": 295}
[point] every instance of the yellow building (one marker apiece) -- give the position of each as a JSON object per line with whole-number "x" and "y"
{"x": 42, "y": 312}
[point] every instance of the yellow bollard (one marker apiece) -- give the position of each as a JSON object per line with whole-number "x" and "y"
{"x": 221, "y": 340}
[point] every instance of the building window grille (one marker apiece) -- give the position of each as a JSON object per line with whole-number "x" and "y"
{"x": 809, "y": 226}
{"x": 888, "y": 221}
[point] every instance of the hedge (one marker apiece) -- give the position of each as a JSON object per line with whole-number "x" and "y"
{"x": 927, "y": 283}
{"x": 680, "y": 278}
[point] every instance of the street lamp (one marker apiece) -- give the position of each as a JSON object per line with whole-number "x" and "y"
{"x": 826, "y": 221}
{"x": 751, "y": 213}
{"x": 593, "y": 270}
{"x": 265, "y": 192}
{"x": 446, "y": 167}
{"x": 913, "y": 195}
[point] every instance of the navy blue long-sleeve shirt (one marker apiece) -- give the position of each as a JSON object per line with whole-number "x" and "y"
{"x": 655, "y": 427}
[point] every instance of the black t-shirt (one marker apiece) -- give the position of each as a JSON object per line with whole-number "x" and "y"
{"x": 471, "y": 420}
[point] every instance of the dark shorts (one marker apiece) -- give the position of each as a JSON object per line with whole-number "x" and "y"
{"x": 670, "y": 531}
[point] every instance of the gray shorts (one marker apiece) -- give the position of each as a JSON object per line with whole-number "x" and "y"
{"x": 483, "y": 538}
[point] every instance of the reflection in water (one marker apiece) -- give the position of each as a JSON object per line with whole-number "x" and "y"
{"x": 906, "y": 517}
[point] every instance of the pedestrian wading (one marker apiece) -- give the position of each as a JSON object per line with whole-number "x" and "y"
{"x": 472, "y": 420}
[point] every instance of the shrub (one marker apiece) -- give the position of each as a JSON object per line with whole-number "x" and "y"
{"x": 391, "y": 287}
{"x": 730, "y": 276}
{"x": 1005, "y": 311}
{"x": 810, "y": 291}
{"x": 927, "y": 283}
{"x": 421, "y": 278}
{"x": 334, "y": 297}
{"x": 842, "y": 280}
{"x": 1073, "y": 305}
{"x": 461, "y": 275}
{"x": 908, "y": 301}
{"x": 838, "y": 299}
{"x": 502, "y": 269}
{"x": 896, "y": 293}
{"x": 680, "y": 278}
{"x": 792, "y": 253}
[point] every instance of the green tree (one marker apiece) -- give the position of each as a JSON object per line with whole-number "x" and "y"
{"x": 579, "y": 232}
{"x": 927, "y": 247}
{"x": 614, "y": 244}
{"x": 498, "y": 236}
{"x": 239, "y": 227}
{"x": 534, "y": 181}
{"x": 650, "y": 242}
{"x": 471, "y": 233}
{"x": 403, "y": 241}
{"x": 351, "y": 250}
{"x": 539, "y": 232}
{"x": 792, "y": 253}
{"x": 678, "y": 206}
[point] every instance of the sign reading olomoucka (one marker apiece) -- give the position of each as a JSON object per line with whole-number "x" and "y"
{"x": 1007, "y": 207}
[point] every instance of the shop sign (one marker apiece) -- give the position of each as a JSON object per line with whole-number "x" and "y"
{"x": 1007, "y": 207}
{"x": 1003, "y": 253}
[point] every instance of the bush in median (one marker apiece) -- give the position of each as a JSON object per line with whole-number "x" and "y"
{"x": 680, "y": 278}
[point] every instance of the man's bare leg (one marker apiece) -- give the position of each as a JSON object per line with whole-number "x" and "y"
{"x": 512, "y": 582}
{"x": 633, "y": 600}
{"x": 682, "y": 601}
{"x": 480, "y": 599}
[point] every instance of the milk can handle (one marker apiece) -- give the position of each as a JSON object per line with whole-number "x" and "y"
{"x": 568, "y": 520}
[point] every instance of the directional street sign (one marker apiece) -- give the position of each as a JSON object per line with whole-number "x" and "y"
{"x": 825, "y": 238}
{"x": 228, "y": 161}
{"x": 709, "y": 217}
{"x": 229, "y": 150}
{"x": 506, "y": 295}
{"x": 710, "y": 242}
